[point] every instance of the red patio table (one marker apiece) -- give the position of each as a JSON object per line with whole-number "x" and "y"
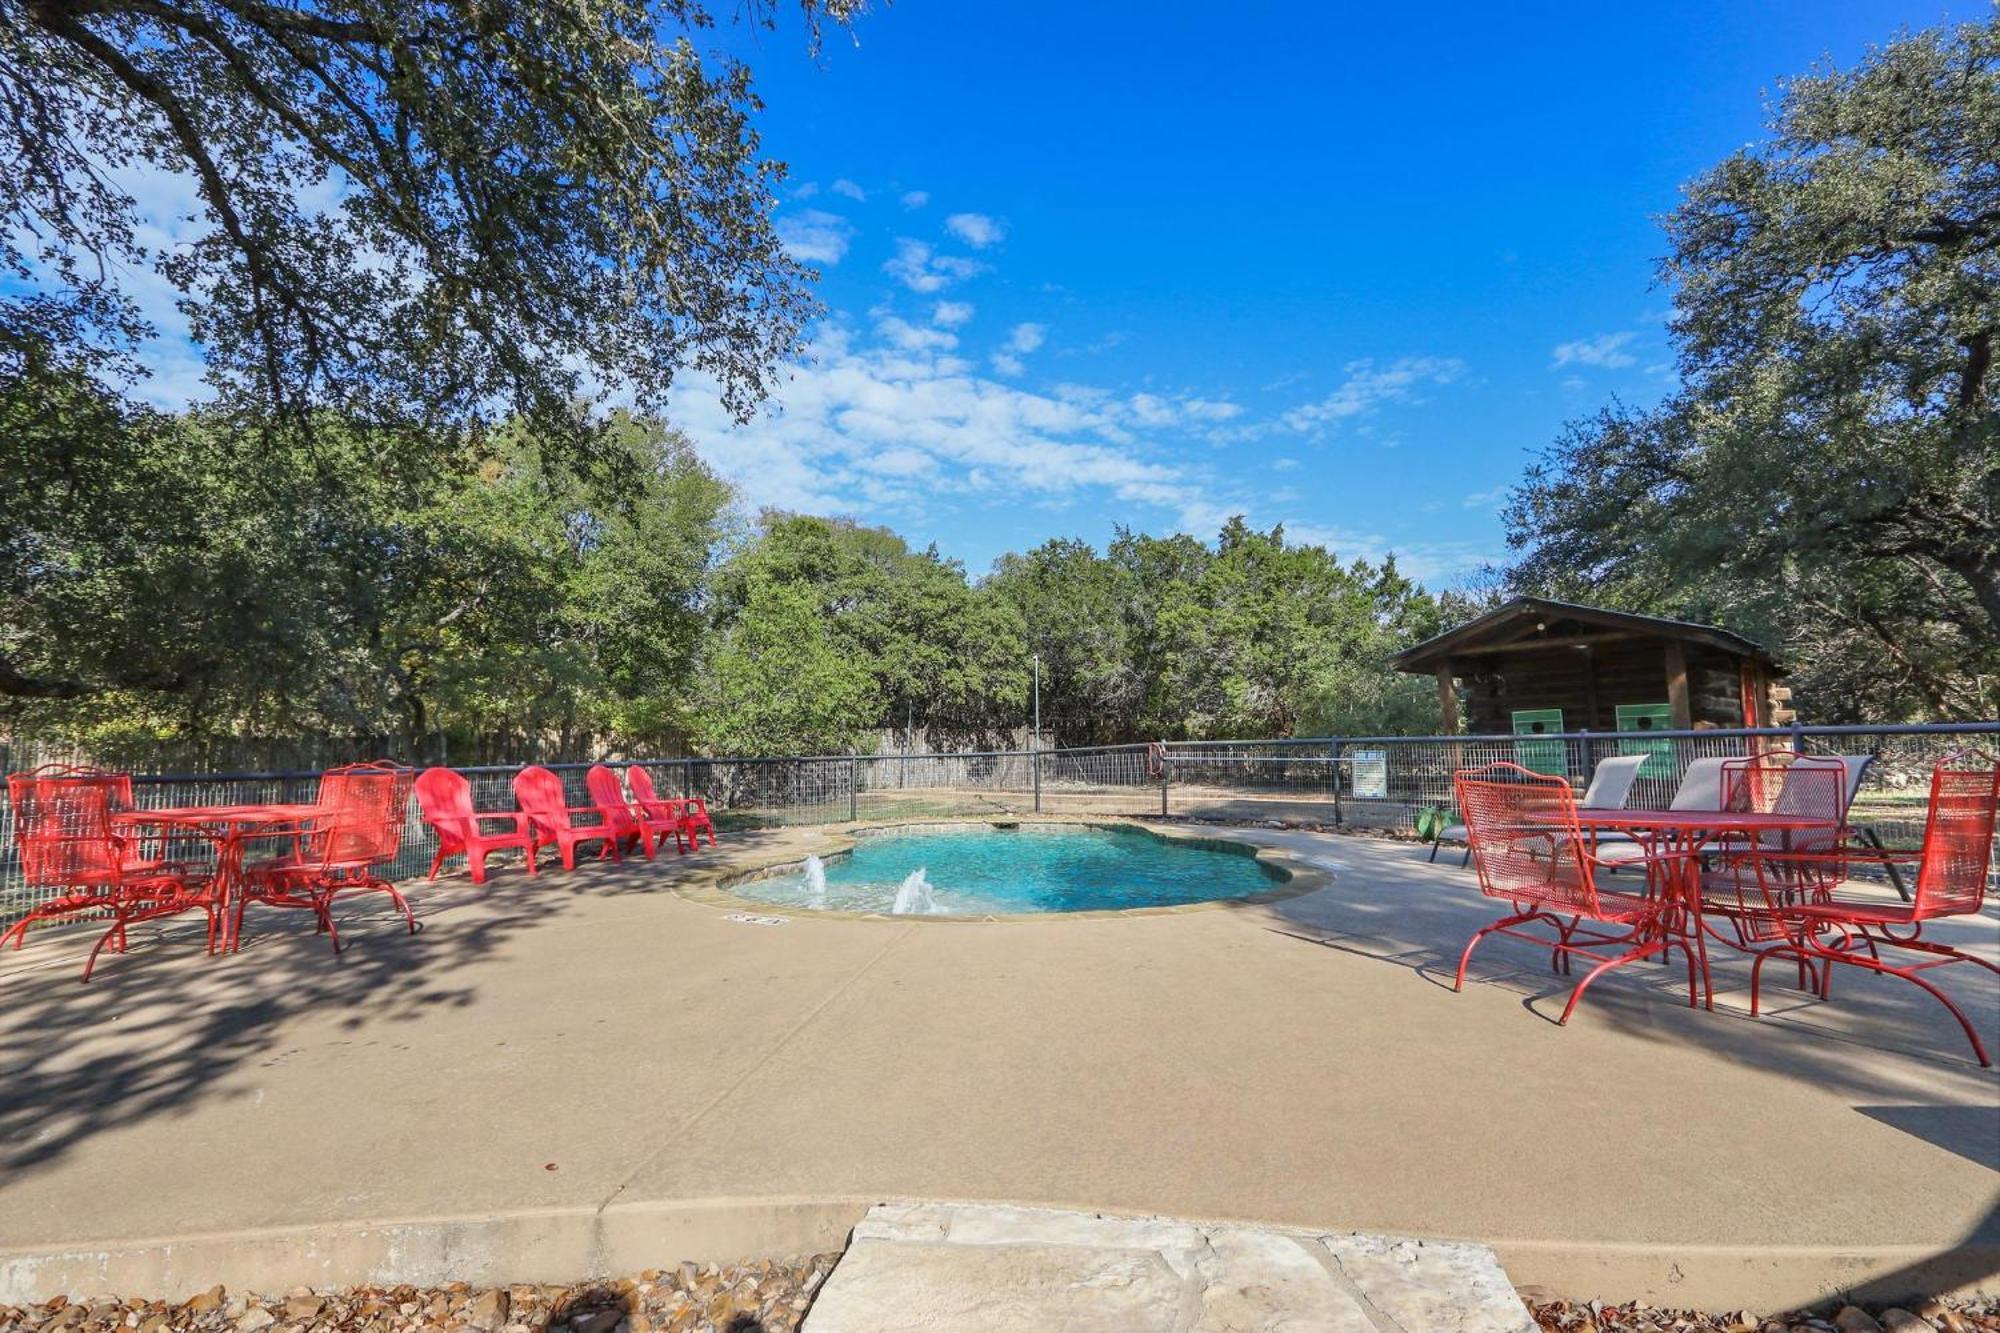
{"x": 228, "y": 827}
{"x": 1689, "y": 832}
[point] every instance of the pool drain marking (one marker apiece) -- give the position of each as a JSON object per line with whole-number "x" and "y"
{"x": 751, "y": 919}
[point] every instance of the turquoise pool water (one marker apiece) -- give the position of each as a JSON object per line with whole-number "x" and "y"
{"x": 1031, "y": 868}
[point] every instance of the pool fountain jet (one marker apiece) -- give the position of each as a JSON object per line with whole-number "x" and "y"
{"x": 815, "y": 883}
{"x": 915, "y": 896}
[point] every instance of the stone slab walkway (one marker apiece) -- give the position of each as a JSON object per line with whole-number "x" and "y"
{"x": 973, "y": 1268}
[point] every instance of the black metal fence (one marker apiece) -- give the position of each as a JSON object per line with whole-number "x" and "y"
{"x": 1378, "y": 782}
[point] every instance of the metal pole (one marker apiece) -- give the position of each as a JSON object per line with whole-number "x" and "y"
{"x": 1038, "y": 701}
{"x": 1163, "y": 778}
{"x": 853, "y": 788}
{"x": 1038, "y": 734}
{"x": 1336, "y": 784}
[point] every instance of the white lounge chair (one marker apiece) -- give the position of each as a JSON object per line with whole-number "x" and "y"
{"x": 1701, "y": 789}
{"x": 1610, "y": 784}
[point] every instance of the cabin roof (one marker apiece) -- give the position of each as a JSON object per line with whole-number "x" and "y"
{"x": 1523, "y": 621}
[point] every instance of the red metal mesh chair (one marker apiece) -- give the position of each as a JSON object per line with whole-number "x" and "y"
{"x": 68, "y": 845}
{"x": 445, "y": 798}
{"x": 358, "y": 829}
{"x": 626, "y": 826}
{"x": 687, "y": 815}
{"x": 1741, "y": 884}
{"x": 552, "y": 820}
{"x": 1529, "y": 851}
{"x": 1853, "y": 921}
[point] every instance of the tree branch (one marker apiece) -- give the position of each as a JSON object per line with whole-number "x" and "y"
{"x": 214, "y": 187}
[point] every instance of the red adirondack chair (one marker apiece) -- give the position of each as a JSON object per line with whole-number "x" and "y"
{"x": 552, "y": 820}
{"x": 357, "y": 832}
{"x": 1855, "y": 923}
{"x": 1529, "y": 851}
{"x": 626, "y": 825}
{"x": 69, "y": 847}
{"x": 687, "y": 816}
{"x": 445, "y": 797}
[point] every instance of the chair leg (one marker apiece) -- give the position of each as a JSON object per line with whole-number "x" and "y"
{"x": 475, "y": 861}
{"x": 1482, "y": 933}
{"x": 396, "y": 896}
{"x": 117, "y": 929}
{"x": 1463, "y": 861}
{"x": 437, "y": 861}
{"x": 1633, "y": 956}
{"x": 1434, "y": 851}
{"x": 1971, "y": 1033}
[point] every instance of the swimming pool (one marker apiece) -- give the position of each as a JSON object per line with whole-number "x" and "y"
{"x": 961, "y": 870}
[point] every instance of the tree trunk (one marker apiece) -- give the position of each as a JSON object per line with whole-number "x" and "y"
{"x": 1981, "y": 572}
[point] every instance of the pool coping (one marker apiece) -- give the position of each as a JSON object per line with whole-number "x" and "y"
{"x": 712, "y": 887}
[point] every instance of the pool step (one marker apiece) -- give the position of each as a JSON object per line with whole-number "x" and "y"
{"x": 984, "y": 1268}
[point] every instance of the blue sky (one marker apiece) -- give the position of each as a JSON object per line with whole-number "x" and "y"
{"x": 1152, "y": 264}
{"x": 1087, "y": 265}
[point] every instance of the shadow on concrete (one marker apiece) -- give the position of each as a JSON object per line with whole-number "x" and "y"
{"x": 1973, "y": 1132}
{"x": 1388, "y": 904}
{"x": 157, "y": 1030}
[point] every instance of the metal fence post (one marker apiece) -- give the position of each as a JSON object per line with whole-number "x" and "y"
{"x": 853, "y": 788}
{"x": 1038, "y": 779}
{"x": 1163, "y": 779}
{"x": 1336, "y": 784}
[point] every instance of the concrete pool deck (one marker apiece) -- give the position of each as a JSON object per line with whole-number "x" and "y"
{"x": 592, "y": 1070}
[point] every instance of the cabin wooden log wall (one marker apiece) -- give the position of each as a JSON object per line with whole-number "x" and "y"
{"x": 1537, "y": 656}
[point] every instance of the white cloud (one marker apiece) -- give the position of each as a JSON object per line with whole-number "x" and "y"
{"x": 1606, "y": 351}
{"x": 1283, "y": 464}
{"x": 890, "y": 426}
{"x": 1484, "y": 499}
{"x": 1027, "y": 337}
{"x": 916, "y": 198}
{"x": 815, "y": 237}
{"x": 1021, "y": 340}
{"x": 846, "y": 187}
{"x": 951, "y": 314}
{"x": 1206, "y": 409}
{"x": 917, "y": 267}
{"x": 976, "y": 229}
{"x": 1437, "y": 563}
{"x": 914, "y": 338}
{"x": 1368, "y": 386}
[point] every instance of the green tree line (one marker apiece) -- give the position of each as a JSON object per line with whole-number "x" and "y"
{"x": 180, "y": 576}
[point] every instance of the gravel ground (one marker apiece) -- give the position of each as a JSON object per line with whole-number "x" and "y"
{"x": 766, "y": 1297}
{"x": 1919, "y": 1317}
{"x": 772, "y": 1297}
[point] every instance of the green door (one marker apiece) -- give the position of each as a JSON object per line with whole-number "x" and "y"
{"x": 1550, "y": 757}
{"x": 1648, "y": 717}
